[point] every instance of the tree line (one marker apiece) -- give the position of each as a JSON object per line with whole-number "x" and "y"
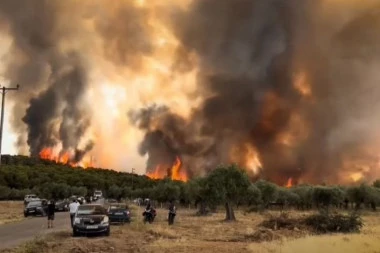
{"x": 227, "y": 185}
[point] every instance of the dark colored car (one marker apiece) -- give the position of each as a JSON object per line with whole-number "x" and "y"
{"x": 62, "y": 205}
{"x": 37, "y": 207}
{"x": 119, "y": 213}
{"x": 91, "y": 219}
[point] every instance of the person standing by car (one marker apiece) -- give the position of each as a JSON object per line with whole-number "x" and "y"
{"x": 50, "y": 213}
{"x": 73, "y": 209}
{"x": 172, "y": 213}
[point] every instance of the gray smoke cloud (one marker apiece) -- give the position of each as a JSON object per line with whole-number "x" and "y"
{"x": 48, "y": 58}
{"x": 249, "y": 52}
{"x": 53, "y": 81}
{"x": 248, "y": 55}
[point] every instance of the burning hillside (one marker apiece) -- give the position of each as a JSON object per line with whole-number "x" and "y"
{"x": 285, "y": 89}
{"x": 174, "y": 172}
{"x": 64, "y": 158}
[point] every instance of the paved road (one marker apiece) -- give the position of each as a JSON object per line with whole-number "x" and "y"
{"x": 13, "y": 234}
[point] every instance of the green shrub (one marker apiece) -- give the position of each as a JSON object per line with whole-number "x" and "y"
{"x": 324, "y": 222}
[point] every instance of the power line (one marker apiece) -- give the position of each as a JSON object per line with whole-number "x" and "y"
{"x": 3, "y": 91}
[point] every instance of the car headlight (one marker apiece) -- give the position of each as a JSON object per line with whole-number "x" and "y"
{"x": 105, "y": 220}
{"x": 76, "y": 221}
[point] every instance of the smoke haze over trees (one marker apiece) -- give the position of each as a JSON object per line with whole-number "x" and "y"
{"x": 286, "y": 89}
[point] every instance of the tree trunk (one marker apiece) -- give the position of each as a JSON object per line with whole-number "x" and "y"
{"x": 230, "y": 215}
{"x": 202, "y": 209}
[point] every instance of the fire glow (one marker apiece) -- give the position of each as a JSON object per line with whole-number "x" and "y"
{"x": 289, "y": 183}
{"x": 63, "y": 158}
{"x": 174, "y": 172}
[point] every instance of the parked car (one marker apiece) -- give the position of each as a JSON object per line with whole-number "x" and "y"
{"x": 91, "y": 219}
{"x": 62, "y": 205}
{"x": 29, "y": 197}
{"x": 36, "y": 207}
{"x": 112, "y": 201}
{"x": 119, "y": 213}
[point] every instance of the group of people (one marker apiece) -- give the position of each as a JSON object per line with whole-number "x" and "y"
{"x": 73, "y": 207}
{"x": 150, "y": 213}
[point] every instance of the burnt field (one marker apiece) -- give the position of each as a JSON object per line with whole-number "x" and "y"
{"x": 211, "y": 233}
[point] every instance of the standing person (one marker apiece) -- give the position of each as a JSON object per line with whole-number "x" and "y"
{"x": 50, "y": 213}
{"x": 73, "y": 209}
{"x": 172, "y": 213}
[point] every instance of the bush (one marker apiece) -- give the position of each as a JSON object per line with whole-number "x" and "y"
{"x": 4, "y": 192}
{"x": 325, "y": 222}
{"x": 283, "y": 221}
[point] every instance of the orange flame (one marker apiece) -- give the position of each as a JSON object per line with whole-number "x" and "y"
{"x": 289, "y": 183}
{"x": 175, "y": 172}
{"x": 64, "y": 158}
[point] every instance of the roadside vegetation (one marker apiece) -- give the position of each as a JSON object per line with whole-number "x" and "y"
{"x": 210, "y": 233}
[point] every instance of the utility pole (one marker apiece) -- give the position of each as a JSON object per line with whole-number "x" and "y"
{"x": 133, "y": 175}
{"x": 133, "y": 172}
{"x": 3, "y": 91}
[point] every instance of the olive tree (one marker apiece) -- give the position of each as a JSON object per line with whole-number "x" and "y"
{"x": 269, "y": 191}
{"x": 226, "y": 184}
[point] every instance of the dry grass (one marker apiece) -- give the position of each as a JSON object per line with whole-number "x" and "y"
{"x": 208, "y": 234}
{"x": 11, "y": 211}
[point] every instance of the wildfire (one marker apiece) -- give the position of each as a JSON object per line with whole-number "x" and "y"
{"x": 64, "y": 158}
{"x": 302, "y": 85}
{"x": 289, "y": 183}
{"x": 174, "y": 172}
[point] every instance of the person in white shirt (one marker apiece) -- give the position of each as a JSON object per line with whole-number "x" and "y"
{"x": 73, "y": 209}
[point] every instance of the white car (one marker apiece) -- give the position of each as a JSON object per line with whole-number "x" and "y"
{"x": 98, "y": 195}
{"x": 29, "y": 198}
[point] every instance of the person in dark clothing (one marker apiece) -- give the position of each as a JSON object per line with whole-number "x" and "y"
{"x": 172, "y": 213}
{"x": 149, "y": 213}
{"x": 50, "y": 213}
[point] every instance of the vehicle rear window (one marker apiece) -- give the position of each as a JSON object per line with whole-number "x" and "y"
{"x": 118, "y": 207}
{"x": 91, "y": 210}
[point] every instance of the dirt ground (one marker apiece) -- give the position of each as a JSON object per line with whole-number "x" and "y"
{"x": 209, "y": 234}
{"x": 11, "y": 211}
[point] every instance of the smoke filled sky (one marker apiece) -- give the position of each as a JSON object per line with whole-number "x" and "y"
{"x": 283, "y": 88}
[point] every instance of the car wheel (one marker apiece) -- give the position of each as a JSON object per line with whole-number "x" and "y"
{"x": 75, "y": 233}
{"x": 25, "y": 215}
{"x": 108, "y": 232}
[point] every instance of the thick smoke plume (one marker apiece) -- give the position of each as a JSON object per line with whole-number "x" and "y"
{"x": 283, "y": 88}
{"x": 56, "y": 113}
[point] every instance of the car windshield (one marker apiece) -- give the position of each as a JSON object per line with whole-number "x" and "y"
{"x": 90, "y": 210}
{"x": 34, "y": 203}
